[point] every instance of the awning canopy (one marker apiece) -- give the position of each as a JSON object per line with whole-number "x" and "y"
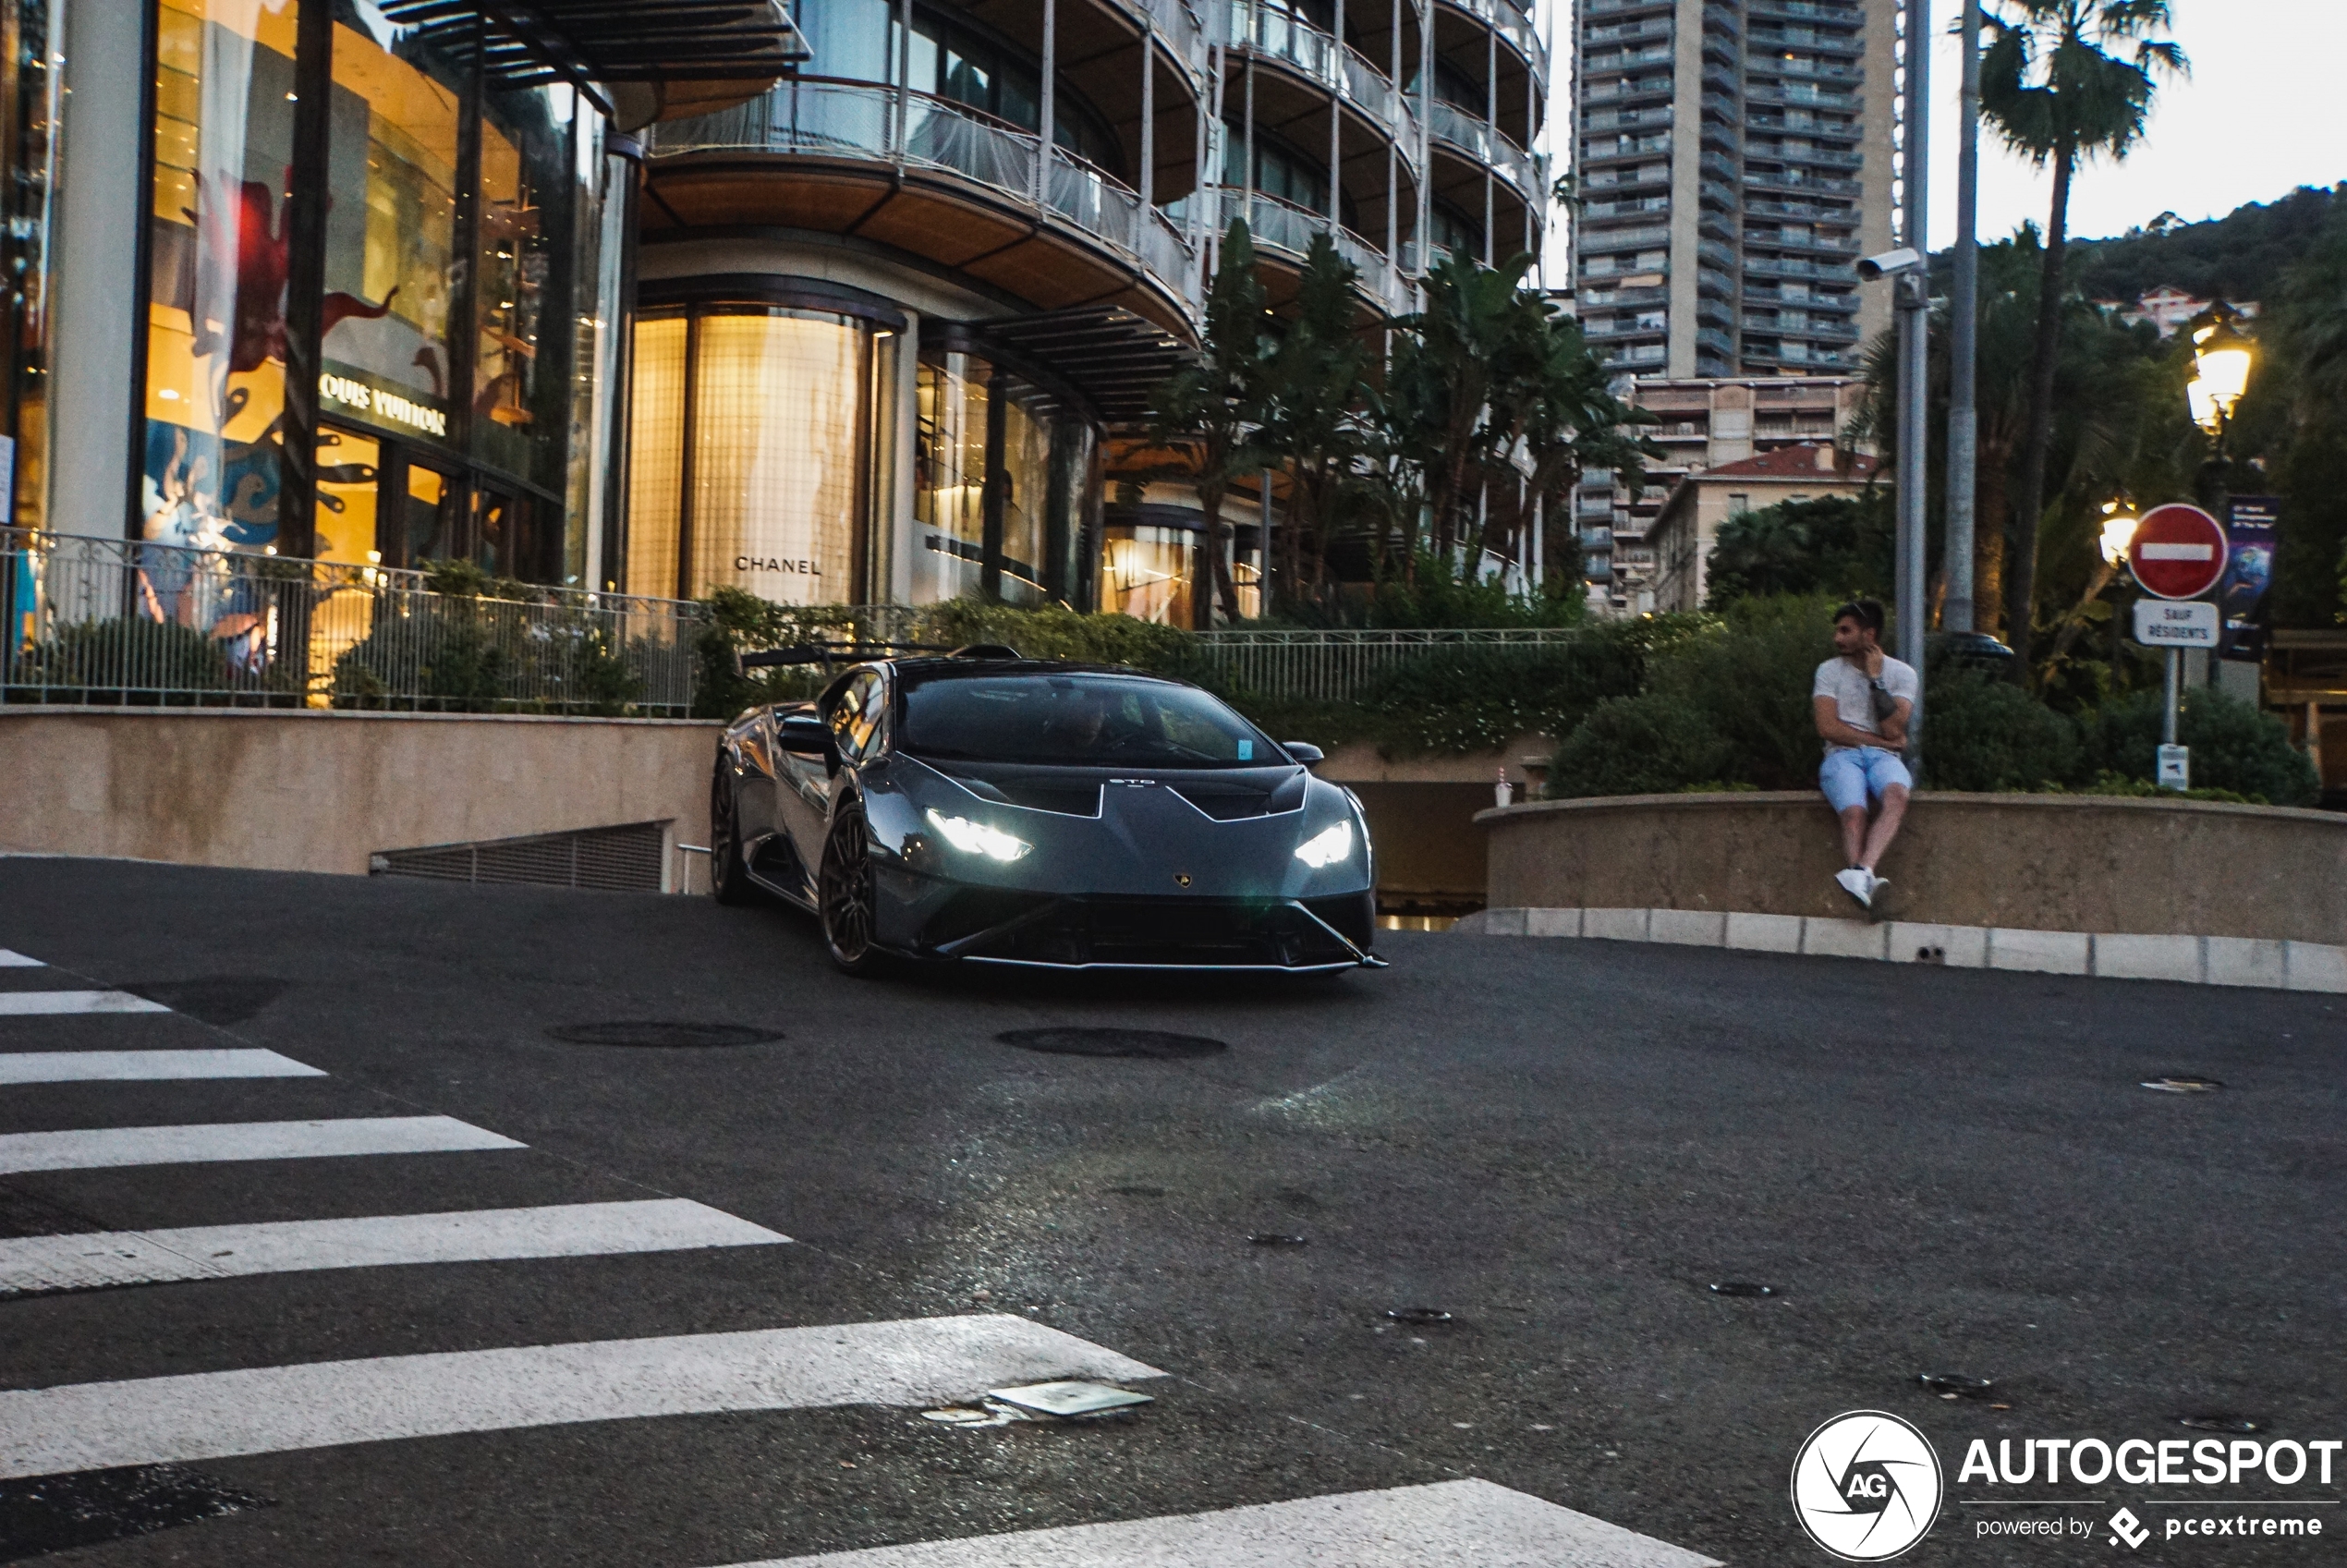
{"x": 530, "y": 42}
{"x": 1109, "y": 354}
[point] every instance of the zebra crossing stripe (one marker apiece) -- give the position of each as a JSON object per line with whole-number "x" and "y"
{"x": 1468, "y": 1523}
{"x": 214, "y": 1252}
{"x": 319, "y": 1405}
{"x": 36, "y": 1003}
{"x": 19, "y": 961}
{"x": 123, "y": 1066}
{"x": 92, "y": 1148}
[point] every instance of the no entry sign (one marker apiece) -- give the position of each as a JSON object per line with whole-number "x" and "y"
{"x": 2178, "y": 553}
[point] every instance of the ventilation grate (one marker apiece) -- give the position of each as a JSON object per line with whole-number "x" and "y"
{"x": 620, "y": 859}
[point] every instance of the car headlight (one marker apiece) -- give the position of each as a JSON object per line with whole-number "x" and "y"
{"x": 1327, "y": 847}
{"x": 977, "y": 838}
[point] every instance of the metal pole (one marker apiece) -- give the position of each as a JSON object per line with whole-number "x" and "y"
{"x": 1051, "y": 71}
{"x": 1148, "y": 123}
{"x": 1914, "y": 290}
{"x": 2175, "y": 690}
{"x": 1963, "y": 400}
{"x": 1336, "y": 97}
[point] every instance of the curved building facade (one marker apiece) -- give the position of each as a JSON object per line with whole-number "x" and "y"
{"x": 899, "y": 316}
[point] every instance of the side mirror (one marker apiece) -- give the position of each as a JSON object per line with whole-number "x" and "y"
{"x": 1303, "y": 751}
{"x": 804, "y": 735}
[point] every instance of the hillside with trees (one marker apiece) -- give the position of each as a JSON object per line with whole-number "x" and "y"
{"x": 2238, "y": 256}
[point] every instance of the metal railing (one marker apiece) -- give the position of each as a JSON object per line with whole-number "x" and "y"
{"x": 1283, "y": 226}
{"x": 121, "y": 623}
{"x": 1490, "y": 147}
{"x": 1335, "y": 666}
{"x": 1343, "y": 70}
{"x": 820, "y": 117}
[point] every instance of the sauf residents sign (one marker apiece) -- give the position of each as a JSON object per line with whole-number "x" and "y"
{"x": 2166, "y": 622}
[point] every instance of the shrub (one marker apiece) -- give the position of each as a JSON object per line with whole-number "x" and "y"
{"x": 1836, "y": 545}
{"x": 129, "y": 652}
{"x": 2234, "y": 746}
{"x": 1649, "y": 745}
{"x": 1750, "y": 674}
{"x": 1984, "y": 734}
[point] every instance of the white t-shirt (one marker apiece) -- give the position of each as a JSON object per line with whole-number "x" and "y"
{"x": 1852, "y": 693}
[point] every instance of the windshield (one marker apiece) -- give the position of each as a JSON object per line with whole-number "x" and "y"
{"x": 1098, "y": 721}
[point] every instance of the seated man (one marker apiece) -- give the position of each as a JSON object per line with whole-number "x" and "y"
{"x": 1863, "y": 700}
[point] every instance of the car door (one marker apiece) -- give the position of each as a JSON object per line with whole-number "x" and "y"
{"x": 804, "y": 782}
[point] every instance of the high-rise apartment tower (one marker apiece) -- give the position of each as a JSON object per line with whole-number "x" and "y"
{"x": 1733, "y": 160}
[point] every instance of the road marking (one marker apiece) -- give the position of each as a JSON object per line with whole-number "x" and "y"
{"x": 32, "y": 1003}
{"x": 92, "y": 1148}
{"x": 215, "y": 1252}
{"x": 1449, "y": 1524}
{"x": 270, "y": 1409}
{"x": 19, "y": 961}
{"x": 77, "y": 1066}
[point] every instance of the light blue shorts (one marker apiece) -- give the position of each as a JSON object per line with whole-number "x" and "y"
{"x": 1849, "y": 777}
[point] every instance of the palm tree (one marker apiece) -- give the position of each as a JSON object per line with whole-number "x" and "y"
{"x": 1207, "y": 412}
{"x": 2063, "y": 81}
{"x": 1312, "y": 414}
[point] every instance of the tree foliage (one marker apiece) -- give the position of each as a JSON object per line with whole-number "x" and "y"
{"x": 1836, "y": 545}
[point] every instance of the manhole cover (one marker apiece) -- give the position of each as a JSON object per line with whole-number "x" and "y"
{"x": 2238, "y": 1425}
{"x": 659, "y": 1034}
{"x": 2182, "y": 1083}
{"x": 1154, "y": 1044}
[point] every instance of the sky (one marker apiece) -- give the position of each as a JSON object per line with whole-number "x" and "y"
{"x": 2260, "y": 115}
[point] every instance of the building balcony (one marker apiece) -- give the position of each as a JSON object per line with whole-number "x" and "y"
{"x": 1515, "y": 27}
{"x": 1627, "y": 8}
{"x": 1721, "y": 80}
{"x": 1814, "y": 244}
{"x": 1777, "y": 207}
{"x": 1719, "y": 255}
{"x": 1622, "y": 299}
{"x": 1847, "y": 44}
{"x": 1714, "y": 339}
{"x": 1286, "y": 232}
{"x": 1609, "y": 118}
{"x": 1799, "y": 95}
{"x": 934, "y": 178}
{"x": 1626, "y": 59}
{"x": 1626, "y": 32}
{"x": 1719, "y": 166}
{"x": 1592, "y": 242}
{"x": 1486, "y": 145}
{"x": 1344, "y": 72}
{"x": 1716, "y": 194}
{"x": 1598, "y": 212}
{"x": 1604, "y": 151}
{"x": 1714, "y": 285}
{"x": 1849, "y": 16}
{"x": 1799, "y": 180}
{"x": 1632, "y": 354}
{"x": 1798, "y": 267}
{"x": 1614, "y": 184}
{"x": 1835, "y": 304}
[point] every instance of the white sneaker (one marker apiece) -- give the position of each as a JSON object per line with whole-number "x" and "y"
{"x": 1874, "y": 885}
{"x": 1858, "y": 883}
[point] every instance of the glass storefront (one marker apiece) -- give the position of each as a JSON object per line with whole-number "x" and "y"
{"x": 469, "y": 289}
{"x": 751, "y": 462}
{"x": 30, "y": 90}
{"x": 1146, "y": 572}
{"x": 1002, "y": 484}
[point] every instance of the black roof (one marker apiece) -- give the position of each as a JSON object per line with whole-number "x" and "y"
{"x": 530, "y": 42}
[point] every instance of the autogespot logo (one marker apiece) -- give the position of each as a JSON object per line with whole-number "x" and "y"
{"x": 1867, "y": 1486}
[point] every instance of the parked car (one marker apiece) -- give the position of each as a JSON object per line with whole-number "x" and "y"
{"x": 981, "y": 808}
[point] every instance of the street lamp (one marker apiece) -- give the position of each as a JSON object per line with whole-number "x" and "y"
{"x": 2119, "y": 522}
{"x": 2220, "y": 355}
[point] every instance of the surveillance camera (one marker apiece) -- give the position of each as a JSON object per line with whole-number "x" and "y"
{"x": 1903, "y": 259}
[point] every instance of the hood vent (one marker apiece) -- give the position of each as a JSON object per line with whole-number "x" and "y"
{"x": 1230, "y": 800}
{"x": 1068, "y": 798}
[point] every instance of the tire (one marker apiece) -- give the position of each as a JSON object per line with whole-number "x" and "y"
{"x": 729, "y": 880}
{"x": 844, "y": 895}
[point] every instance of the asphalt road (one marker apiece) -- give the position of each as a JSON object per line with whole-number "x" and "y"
{"x": 1561, "y": 1144}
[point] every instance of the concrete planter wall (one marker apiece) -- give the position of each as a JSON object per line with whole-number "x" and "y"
{"x": 298, "y": 790}
{"x": 2060, "y": 863}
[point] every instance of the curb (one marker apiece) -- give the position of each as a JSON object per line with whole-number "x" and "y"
{"x": 2269, "y": 964}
